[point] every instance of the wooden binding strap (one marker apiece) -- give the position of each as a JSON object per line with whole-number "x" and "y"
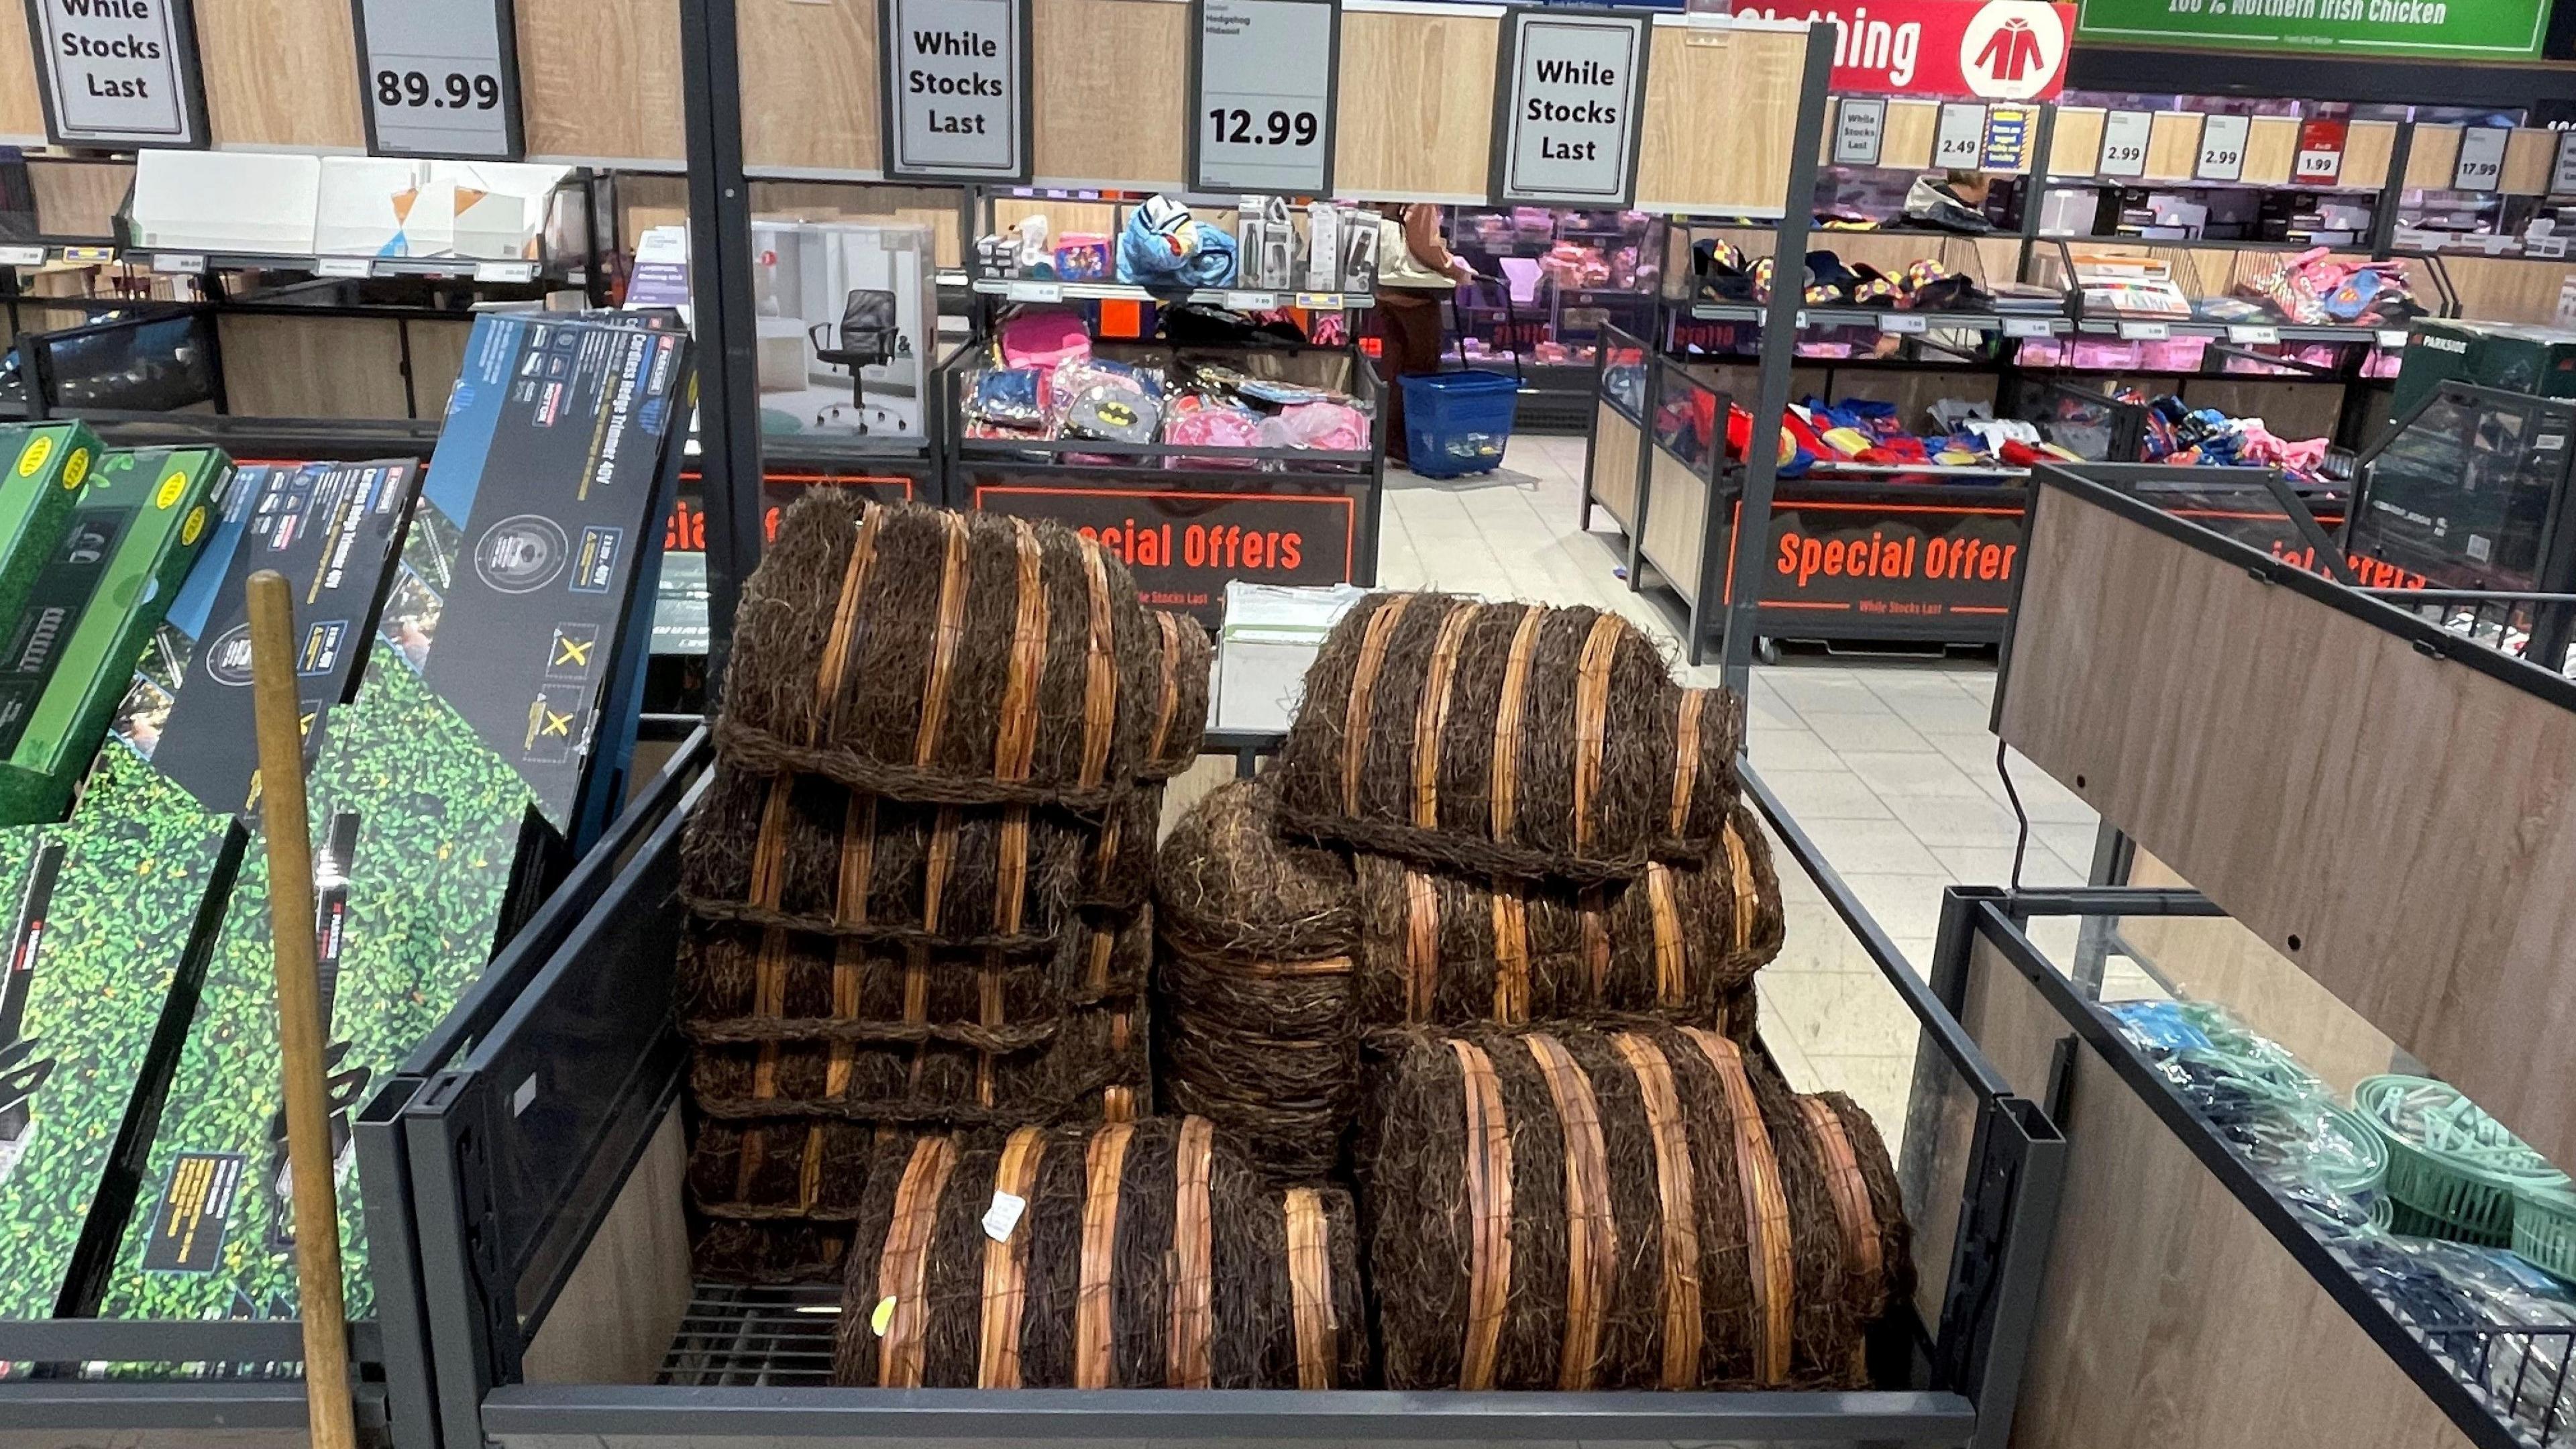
{"x": 1489, "y": 1215}
{"x": 1421, "y": 944}
{"x": 850, "y": 906}
{"x": 1015, "y": 739}
{"x": 1592, "y": 718}
{"x": 1747, "y": 902}
{"x": 1094, "y": 1341}
{"x": 1766, "y": 1205}
{"x": 1849, "y": 1189}
{"x": 1310, "y": 1286}
{"x": 1591, "y": 1231}
{"x": 904, "y": 1263}
{"x": 1118, "y": 1102}
{"x": 1193, "y": 1265}
{"x": 1100, "y": 682}
{"x": 1355, "y": 724}
{"x": 943, "y": 646}
{"x": 1686, "y": 756}
{"x": 769, "y": 968}
{"x": 1432, "y": 713}
{"x": 1510, "y": 722}
{"x": 997, "y": 1361}
{"x": 1511, "y": 953}
{"x": 1672, "y": 952}
{"x": 1596, "y": 942}
{"x": 1288, "y": 970}
{"x": 1677, "y": 1197}
{"x": 1170, "y": 707}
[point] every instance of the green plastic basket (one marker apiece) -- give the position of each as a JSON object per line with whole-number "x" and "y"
{"x": 2453, "y": 1171}
{"x": 2544, "y": 1231}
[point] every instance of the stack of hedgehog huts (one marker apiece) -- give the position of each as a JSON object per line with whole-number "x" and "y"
{"x": 913, "y": 978}
{"x": 1482, "y": 941}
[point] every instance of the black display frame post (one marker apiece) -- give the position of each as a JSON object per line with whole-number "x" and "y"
{"x": 720, "y": 267}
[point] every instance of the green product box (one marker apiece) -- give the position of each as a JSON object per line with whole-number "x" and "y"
{"x": 2508, "y": 357}
{"x": 46, "y": 465}
{"x": 69, "y": 651}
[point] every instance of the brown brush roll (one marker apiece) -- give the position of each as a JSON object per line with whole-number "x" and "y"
{"x": 1253, "y": 983}
{"x": 735, "y": 1251}
{"x": 1144, "y": 1255}
{"x": 1436, "y": 947}
{"x": 1506, "y": 739}
{"x": 943, "y": 658}
{"x": 1565, "y": 1208}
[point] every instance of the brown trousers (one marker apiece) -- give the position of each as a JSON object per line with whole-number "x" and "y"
{"x": 1410, "y": 319}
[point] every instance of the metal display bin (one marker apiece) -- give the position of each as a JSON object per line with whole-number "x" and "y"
{"x": 545, "y": 1187}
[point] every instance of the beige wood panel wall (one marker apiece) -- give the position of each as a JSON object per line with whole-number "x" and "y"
{"x": 1676, "y": 520}
{"x": 1112, "y": 92}
{"x": 2504, "y": 289}
{"x": 2271, "y": 150}
{"x": 600, "y": 80}
{"x": 1415, "y": 113}
{"x": 280, "y": 73}
{"x": 2173, "y": 146}
{"x": 1611, "y": 472}
{"x": 2169, "y": 1315}
{"x": 22, "y": 111}
{"x": 2368, "y": 147}
{"x": 2401, "y": 826}
{"x": 1689, "y": 161}
{"x": 2075, "y": 148}
{"x": 2433, "y": 161}
{"x": 1907, "y": 136}
{"x": 437, "y": 349}
{"x": 79, "y": 198}
{"x": 312, "y": 367}
{"x": 809, "y": 95}
{"x": 2530, "y": 158}
{"x": 627, "y": 1295}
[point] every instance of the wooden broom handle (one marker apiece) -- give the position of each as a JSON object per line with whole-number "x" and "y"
{"x": 329, "y": 1414}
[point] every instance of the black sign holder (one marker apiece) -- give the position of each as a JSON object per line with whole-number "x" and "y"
{"x": 184, "y": 67}
{"x": 505, "y": 20}
{"x": 1507, "y": 54}
{"x": 889, "y": 47}
{"x": 1198, "y": 184}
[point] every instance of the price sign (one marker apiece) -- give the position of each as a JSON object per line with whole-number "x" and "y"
{"x": 1262, "y": 96}
{"x": 2393, "y": 339}
{"x": 2008, "y": 135}
{"x": 175, "y": 262}
{"x": 2145, "y": 331}
{"x": 22, "y": 256}
{"x": 1252, "y": 301}
{"x": 2253, "y": 336}
{"x": 2481, "y": 165}
{"x": 1898, "y": 324}
{"x": 954, "y": 96}
{"x": 2547, "y": 248}
{"x": 1960, "y": 144}
{"x": 1572, "y": 85}
{"x": 122, "y": 72}
{"x": 2029, "y": 327}
{"x": 2562, "y": 177}
{"x": 2321, "y": 145}
{"x": 1036, "y": 292}
{"x": 344, "y": 266}
{"x": 2124, "y": 142}
{"x": 2222, "y": 147}
{"x": 441, "y": 77}
{"x": 1860, "y": 131}
{"x": 519, "y": 272}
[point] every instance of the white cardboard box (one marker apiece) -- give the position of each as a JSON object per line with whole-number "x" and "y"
{"x": 1271, "y": 636}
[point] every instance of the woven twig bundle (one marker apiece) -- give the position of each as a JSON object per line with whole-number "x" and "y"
{"x": 1143, "y": 1255}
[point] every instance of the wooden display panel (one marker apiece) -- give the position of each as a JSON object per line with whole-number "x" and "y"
{"x": 2368, "y": 147}
{"x": 2530, "y": 160}
{"x": 437, "y": 355}
{"x": 1907, "y": 138}
{"x": 2271, "y": 150}
{"x": 2402, "y": 826}
{"x": 1685, "y": 163}
{"x": 2506, "y": 289}
{"x": 2433, "y": 162}
{"x": 22, "y": 110}
{"x": 1104, "y": 114}
{"x": 1676, "y": 520}
{"x": 809, "y": 86}
{"x": 312, "y": 367}
{"x": 1612, "y": 475}
{"x": 79, "y": 198}
{"x": 630, "y": 1291}
{"x": 2173, "y": 146}
{"x": 1414, "y": 118}
{"x": 2075, "y": 148}
{"x": 281, "y": 73}
{"x": 2170, "y": 1316}
{"x": 600, "y": 81}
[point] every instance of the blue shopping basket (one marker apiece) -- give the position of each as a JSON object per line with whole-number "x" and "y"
{"x": 1456, "y": 423}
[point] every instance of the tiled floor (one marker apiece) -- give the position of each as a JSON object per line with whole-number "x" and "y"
{"x": 1888, "y": 765}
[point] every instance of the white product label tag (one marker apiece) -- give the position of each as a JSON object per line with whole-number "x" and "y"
{"x": 1265, "y": 96}
{"x": 2124, "y": 142}
{"x": 505, "y": 271}
{"x": 178, "y": 262}
{"x": 2145, "y": 331}
{"x": 1860, "y": 131}
{"x": 1962, "y": 138}
{"x": 2562, "y": 178}
{"x": 1036, "y": 292}
{"x": 2253, "y": 336}
{"x": 2547, "y": 248}
{"x": 2481, "y": 165}
{"x": 22, "y": 256}
{"x": 2222, "y": 147}
{"x": 344, "y": 266}
{"x": 440, "y": 77}
{"x": 1003, "y": 1215}
{"x": 2392, "y": 338}
{"x": 1252, "y": 301}
{"x": 2029, "y": 327}
{"x": 1899, "y": 323}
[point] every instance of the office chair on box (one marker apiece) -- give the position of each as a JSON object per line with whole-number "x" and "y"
{"x": 865, "y": 337}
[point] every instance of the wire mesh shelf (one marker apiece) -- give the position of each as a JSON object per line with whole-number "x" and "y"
{"x": 758, "y": 1337}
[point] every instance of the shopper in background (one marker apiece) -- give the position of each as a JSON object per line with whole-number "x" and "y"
{"x": 1414, "y": 268}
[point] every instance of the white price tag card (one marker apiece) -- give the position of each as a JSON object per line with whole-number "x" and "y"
{"x": 344, "y": 266}
{"x": 2253, "y": 336}
{"x": 2145, "y": 331}
{"x": 2562, "y": 177}
{"x": 1900, "y": 324}
{"x": 178, "y": 262}
{"x": 2222, "y": 147}
{"x": 2546, "y": 248}
{"x": 1252, "y": 301}
{"x": 1569, "y": 131}
{"x": 1004, "y": 1215}
{"x": 953, "y": 97}
{"x": 1036, "y": 292}
{"x": 2030, "y": 327}
{"x": 1263, "y": 99}
{"x": 1960, "y": 144}
{"x": 505, "y": 271}
{"x": 120, "y": 71}
{"x": 2392, "y": 338}
{"x": 2321, "y": 148}
{"x": 2481, "y": 165}
{"x": 22, "y": 256}
{"x": 1860, "y": 131}
{"x": 441, "y": 78}
{"x": 2124, "y": 142}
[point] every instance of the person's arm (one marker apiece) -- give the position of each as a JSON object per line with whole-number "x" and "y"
{"x": 1422, "y": 238}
